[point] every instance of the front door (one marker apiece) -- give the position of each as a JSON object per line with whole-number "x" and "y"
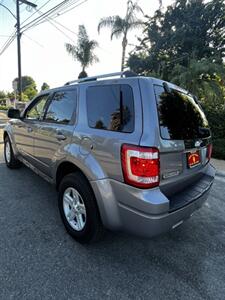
{"x": 24, "y": 129}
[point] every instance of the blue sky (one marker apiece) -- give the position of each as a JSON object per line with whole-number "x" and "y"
{"x": 43, "y": 48}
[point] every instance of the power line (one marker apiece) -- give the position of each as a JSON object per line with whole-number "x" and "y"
{"x": 33, "y": 40}
{"x": 58, "y": 23}
{"x": 72, "y": 8}
{"x": 51, "y": 22}
{"x": 35, "y": 12}
{"x": 53, "y": 13}
{"x": 49, "y": 16}
{"x": 7, "y": 43}
{"x": 28, "y": 25}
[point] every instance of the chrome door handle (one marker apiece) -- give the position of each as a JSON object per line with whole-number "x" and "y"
{"x": 29, "y": 129}
{"x": 60, "y": 136}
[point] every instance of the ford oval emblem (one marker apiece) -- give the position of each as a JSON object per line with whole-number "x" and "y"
{"x": 198, "y": 143}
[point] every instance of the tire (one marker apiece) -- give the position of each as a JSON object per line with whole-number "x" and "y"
{"x": 9, "y": 156}
{"x": 78, "y": 209}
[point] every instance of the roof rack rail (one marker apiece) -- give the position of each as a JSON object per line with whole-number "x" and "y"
{"x": 93, "y": 78}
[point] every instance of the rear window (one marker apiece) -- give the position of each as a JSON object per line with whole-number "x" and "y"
{"x": 180, "y": 117}
{"x": 111, "y": 107}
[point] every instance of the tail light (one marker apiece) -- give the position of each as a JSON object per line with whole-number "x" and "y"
{"x": 209, "y": 151}
{"x": 140, "y": 166}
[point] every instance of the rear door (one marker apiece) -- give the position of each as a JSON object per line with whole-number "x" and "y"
{"x": 111, "y": 116}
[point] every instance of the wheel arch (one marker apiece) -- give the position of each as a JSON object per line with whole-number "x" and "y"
{"x": 66, "y": 168}
{"x": 5, "y": 134}
{"x": 8, "y": 133}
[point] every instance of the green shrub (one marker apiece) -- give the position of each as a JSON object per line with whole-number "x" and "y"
{"x": 2, "y": 107}
{"x": 216, "y": 120}
{"x": 219, "y": 148}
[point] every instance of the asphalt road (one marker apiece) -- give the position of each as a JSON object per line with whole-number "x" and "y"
{"x": 38, "y": 260}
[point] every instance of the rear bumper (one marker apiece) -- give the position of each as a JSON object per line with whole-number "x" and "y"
{"x": 144, "y": 212}
{"x": 149, "y": 225}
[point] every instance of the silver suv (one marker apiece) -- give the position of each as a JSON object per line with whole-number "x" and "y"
{"x": 125, "y": 153}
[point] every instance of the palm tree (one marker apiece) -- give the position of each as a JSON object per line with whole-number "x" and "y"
{"x": 121, "y": 26}
{"x": 203, "y": 78}
{"x": 84, "y": 51}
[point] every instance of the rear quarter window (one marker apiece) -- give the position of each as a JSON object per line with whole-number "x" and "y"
{"x": 111, "y": 107}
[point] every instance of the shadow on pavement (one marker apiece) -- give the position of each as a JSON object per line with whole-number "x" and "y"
{"x": 186, "y": 263}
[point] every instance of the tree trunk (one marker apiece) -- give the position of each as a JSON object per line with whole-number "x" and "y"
{"x": 82, "y": 74}
{"x": 124, "y": 46}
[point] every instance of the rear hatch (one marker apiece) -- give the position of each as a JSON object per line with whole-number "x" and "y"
{"x": 185, "y": 140}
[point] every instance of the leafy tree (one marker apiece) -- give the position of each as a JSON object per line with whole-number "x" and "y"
{"x": 45, "y": 86}
{"x": 204, "y": 79}
{"x": 10, "y": 95}
{"x": 29, "y": 93}
{"x": 2, "y": 95}
{"x": 186, "y": 45}
{"x": 27, "y": 81}
{"x": 187, "y": 30}
{"x": 120, "y": 27}
{"x": 83, "y": 52}
{"x": 29, "y": 87}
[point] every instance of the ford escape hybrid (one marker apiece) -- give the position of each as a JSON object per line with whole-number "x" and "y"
{"x": 125, "y": 153}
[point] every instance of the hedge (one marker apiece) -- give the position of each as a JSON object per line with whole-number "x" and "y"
{"x": 2, "y": 107}
{"x": 216, "y": 120}
{"x": 219, "y": 148}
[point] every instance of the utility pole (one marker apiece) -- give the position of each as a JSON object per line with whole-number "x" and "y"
{"x": 19, "y": 87}
{"x": 19, "y": 83}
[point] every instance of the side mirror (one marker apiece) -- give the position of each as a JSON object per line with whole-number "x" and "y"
{"x": 13, "y": 113}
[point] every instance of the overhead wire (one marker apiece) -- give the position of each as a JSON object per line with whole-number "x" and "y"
{"x": 36, "y": 42}
{"x": 57, "y": 10}
{"x": 8, "y": 43}
{"x": 36, "y": 20}
{"x": 50, "y": 19}
{"x": 35, "y": 12}
{"x": 52, "y": 23}
{"x": 53, "y": 13}
{"x": 59, "y": 15}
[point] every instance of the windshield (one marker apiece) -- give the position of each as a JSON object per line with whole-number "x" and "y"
{"x": 181, "y": 118}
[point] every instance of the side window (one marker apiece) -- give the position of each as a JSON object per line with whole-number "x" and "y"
{"x": 62, "y": 107}
{"x": 36, "y": 112}
{"x": 111, "y": 107}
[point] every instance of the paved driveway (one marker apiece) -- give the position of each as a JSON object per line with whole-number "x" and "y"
{"x": 3, "y": 119}
{"x": 38, "y": 260}
{"x": 3, "y": 114}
